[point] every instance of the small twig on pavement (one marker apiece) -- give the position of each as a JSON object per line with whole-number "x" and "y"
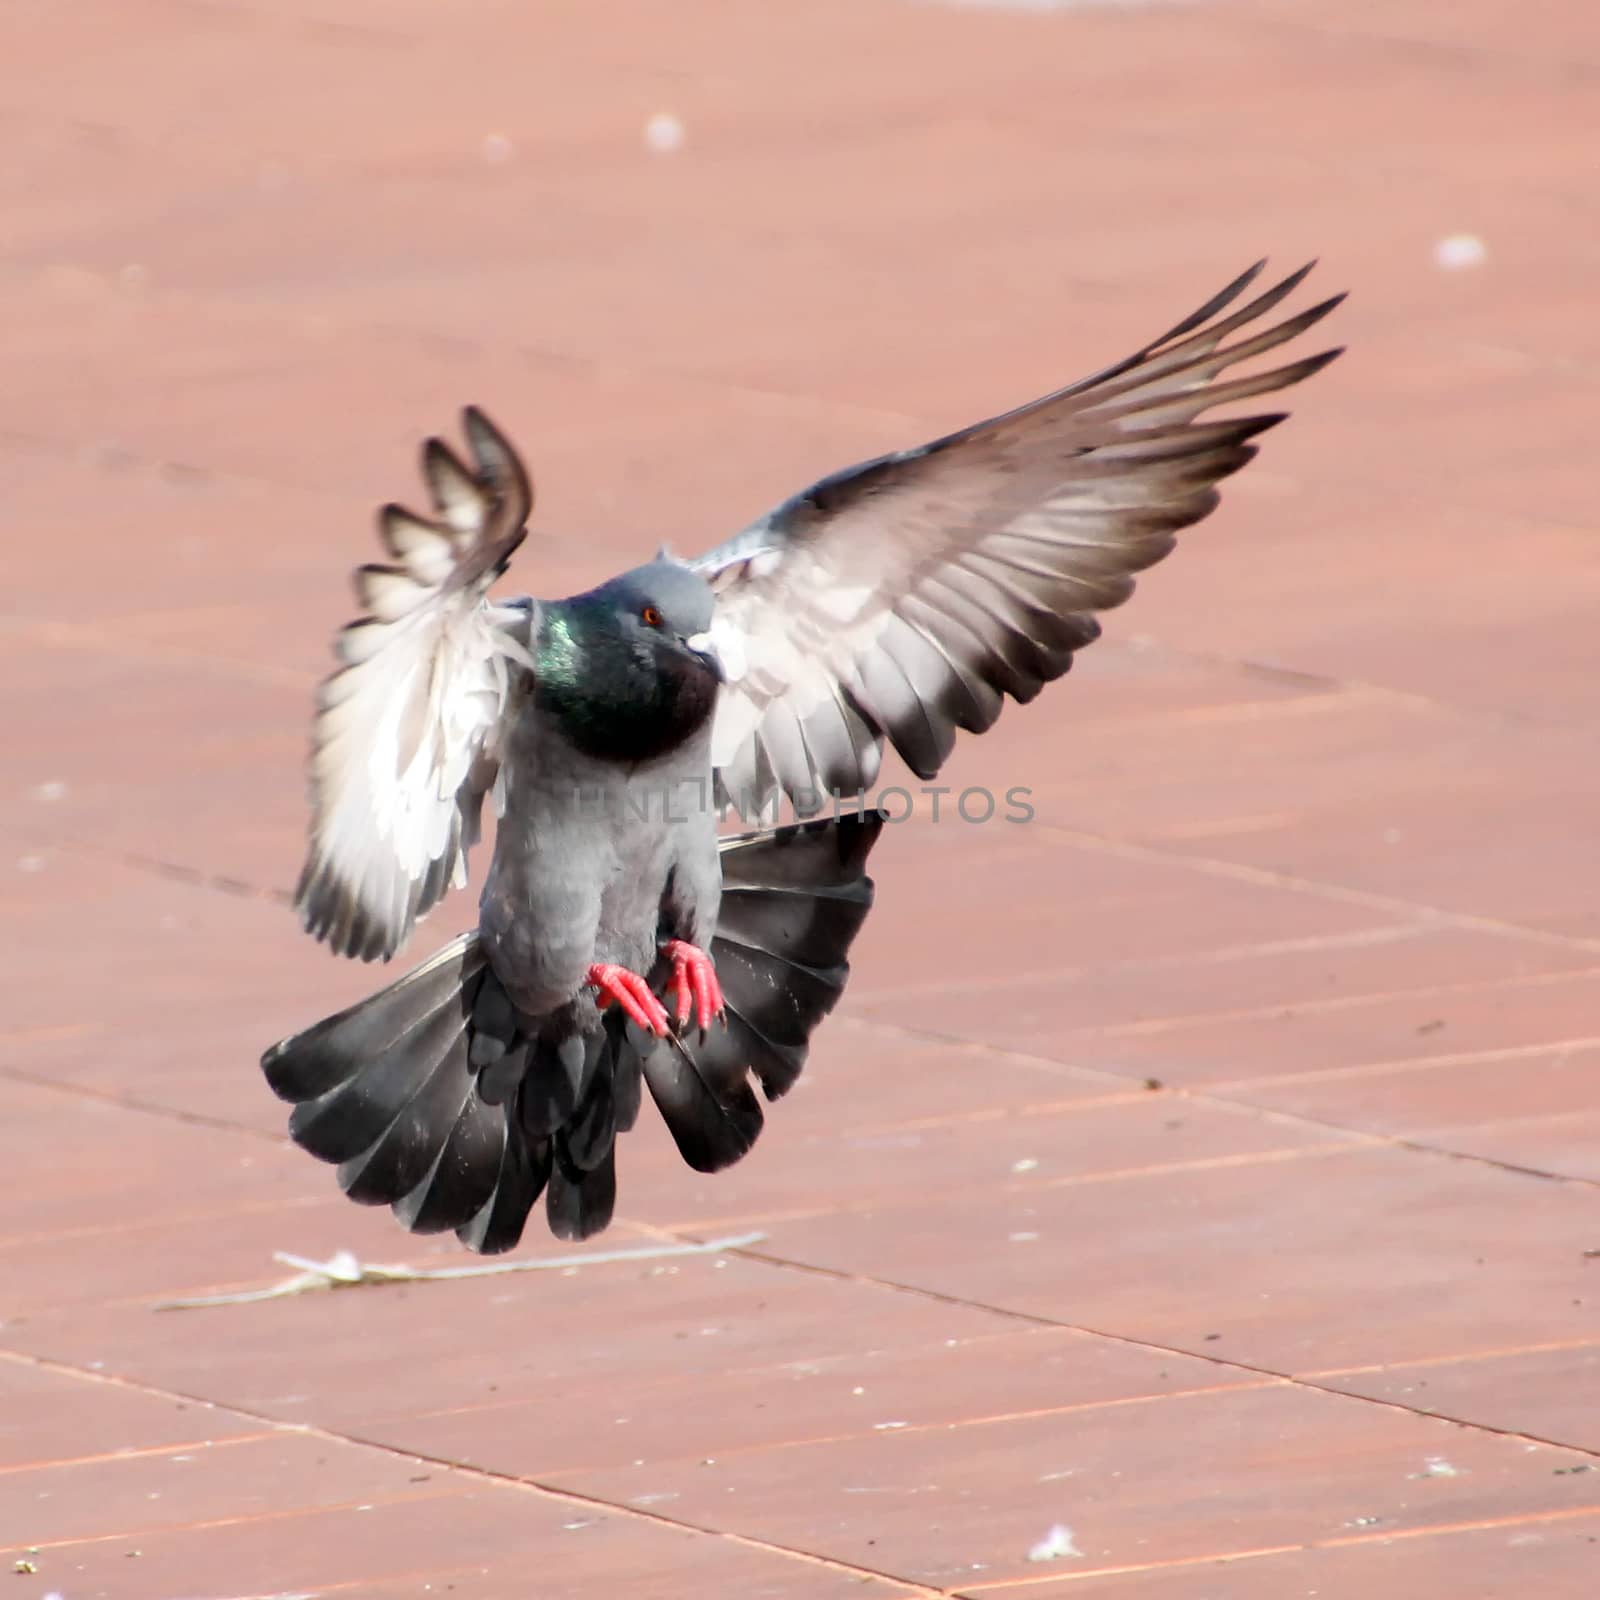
{"x": 343, "y": 1270}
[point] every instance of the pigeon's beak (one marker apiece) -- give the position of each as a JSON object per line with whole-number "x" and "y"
{"x": 704, "y": 647}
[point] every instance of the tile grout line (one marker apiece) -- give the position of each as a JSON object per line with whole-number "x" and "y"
{"x": 1353, "y": 1137}
{"x": 1548, "y": 1347}
{"x": 906, "y": 1587}
{"x": 1155, "y": 1347}
{"x": 83, "y": 1091}
{"x": 178, "y": 872}
{"x": 529, "y": 1485}
{"x": 277, "y": 1428}
{"x": 1425, "y": 919}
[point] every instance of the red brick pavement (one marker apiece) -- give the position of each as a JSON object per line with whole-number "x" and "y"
{"x": 1313, "y": 846}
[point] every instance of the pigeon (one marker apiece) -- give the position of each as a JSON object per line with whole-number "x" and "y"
{"x": 624, "y": 941}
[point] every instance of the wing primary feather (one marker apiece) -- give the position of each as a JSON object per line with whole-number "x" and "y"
{"x": 407, "y": 731}
{"x": 909, "y": 589}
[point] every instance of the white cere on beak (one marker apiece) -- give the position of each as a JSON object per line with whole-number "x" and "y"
{"x": 722, "y": 642}
{"x": 704, "y": 645}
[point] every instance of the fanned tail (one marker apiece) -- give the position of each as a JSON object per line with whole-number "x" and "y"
{"x": 430, "y": 1098}
{"x": 793, "y": 900}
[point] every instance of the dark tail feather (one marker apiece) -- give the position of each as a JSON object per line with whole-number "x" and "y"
{"x": 793, "y": 900}
{"x": 431, "y": 1100}
{"x": 583, "y": 1176}
{"x": 524, "y": 1172}
{"x": 579, "y": 1204}
{"x": 386, "y": 1089}
{"x": 703, "y": 1094}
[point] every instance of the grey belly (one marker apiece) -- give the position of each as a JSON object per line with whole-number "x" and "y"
{"x": 589, "y": 889}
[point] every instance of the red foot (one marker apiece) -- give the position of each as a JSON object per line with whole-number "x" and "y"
{"x": 695, "y": 979}
{"x": 631, "y": 992}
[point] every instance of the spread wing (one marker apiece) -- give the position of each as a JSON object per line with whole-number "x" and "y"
{"x": 406, "y": 736}
{"x": 904, "y": 598}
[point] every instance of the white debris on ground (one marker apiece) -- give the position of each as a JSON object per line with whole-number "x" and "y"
{"x": 1055, "y": 1545}
{"x": 1458, "y": 251}
{"x": 1437, "y": 1467}
{"x": 343, "y": 1270}
{"x": 663, "y": 133}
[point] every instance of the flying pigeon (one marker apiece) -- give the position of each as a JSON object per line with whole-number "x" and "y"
{"x": 621, "y": 941}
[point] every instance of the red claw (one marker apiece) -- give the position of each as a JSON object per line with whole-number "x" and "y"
{"x": 695, "y": 979}
{"x": 631, "y": 992}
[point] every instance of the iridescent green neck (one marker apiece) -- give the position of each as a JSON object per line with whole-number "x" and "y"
{"x": 612, "y": 693}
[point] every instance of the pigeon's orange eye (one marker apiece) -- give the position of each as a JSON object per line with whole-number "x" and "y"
{"x": 652, "y": 617}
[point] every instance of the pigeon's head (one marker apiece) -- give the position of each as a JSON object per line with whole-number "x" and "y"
{"x": 665, "y": 610}
{"x": 629, "y": 669}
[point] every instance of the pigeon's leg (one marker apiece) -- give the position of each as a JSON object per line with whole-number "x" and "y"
{"x": 695, "y": 979}
{"x": 631, "y": 992}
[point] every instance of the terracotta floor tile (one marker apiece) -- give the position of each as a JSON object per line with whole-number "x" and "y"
{"x": 1548, "y": 1393}
{"x": 250, "y": 1477}
{"x": 864, "y": 1078}
{"x": 1444, "y": 816}
{"x": 1565, "y": 1145}
{"x": 957, "y": 1510}
{"x": 158, "y": 942}
{"x": 128, "y": 1167}
{"x": 1529, "y": 1012}
{"x": 1464, "y": 1101}
{"x": 1545, "y": 1556}
{"x": 208, "y": 576}
{"x": 1027, "y": 902}
{"x": 440, "y": 1535}
{"x": 1271, "y": 1256}
{"x": 221, "y": 1239}
{"x": 1392, "y": 970}
{"x": 996, "y": 1161}
{"x": 48, "y": 1416}
{"x": 857, "y": 1383}
{"x": 541, "y": 1334}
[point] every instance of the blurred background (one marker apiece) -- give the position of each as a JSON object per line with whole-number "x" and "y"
{"x": 1253, "y": 1082}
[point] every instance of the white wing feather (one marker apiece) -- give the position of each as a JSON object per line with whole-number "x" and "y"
{"x": 406, "y": 740}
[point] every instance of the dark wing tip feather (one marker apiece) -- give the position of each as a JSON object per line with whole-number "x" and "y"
{"x": 498, "y": 460}
{"x": 336, "y": 918}
{"x": 1306, "y": 367}
{"x": 446, "y": 474}
{"x": 440, "y": 456}
{"x": 1220, "y": 300}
